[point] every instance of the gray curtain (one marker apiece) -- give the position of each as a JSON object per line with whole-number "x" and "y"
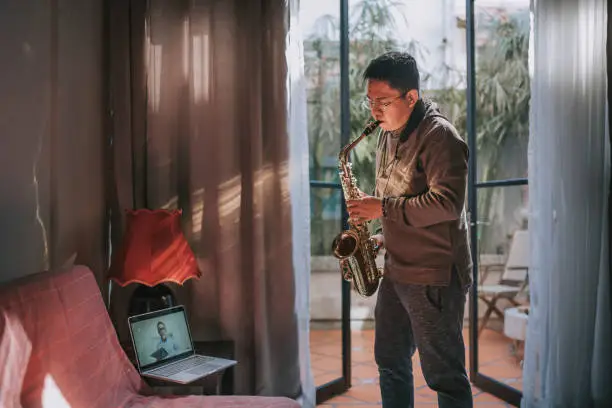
{"x": 52, "y": 137}
{"x": 568, "y": 359}
{"x": 200, "y": 123}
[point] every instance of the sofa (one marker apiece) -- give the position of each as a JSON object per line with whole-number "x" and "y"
{"x": 59, "y": 349}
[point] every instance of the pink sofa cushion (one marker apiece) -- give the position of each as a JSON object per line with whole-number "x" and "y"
{"x": 76, "y": 360}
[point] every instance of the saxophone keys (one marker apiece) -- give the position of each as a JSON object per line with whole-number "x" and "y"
{"x": 347, "y": 274}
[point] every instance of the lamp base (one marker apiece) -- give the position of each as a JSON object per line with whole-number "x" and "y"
{"x": 147, "y": 299}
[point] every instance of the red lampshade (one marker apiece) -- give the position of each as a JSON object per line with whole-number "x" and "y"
{"x": 154, "y": 250}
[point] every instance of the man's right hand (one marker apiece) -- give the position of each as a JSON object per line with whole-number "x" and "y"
{"x": 379, "y": 241}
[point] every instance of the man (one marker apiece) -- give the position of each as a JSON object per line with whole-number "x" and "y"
{"x": 421, "y": 173}
{"x": 166, "y": 347}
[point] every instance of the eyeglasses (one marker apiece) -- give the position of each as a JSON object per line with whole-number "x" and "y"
{"x": 383, "y": 106}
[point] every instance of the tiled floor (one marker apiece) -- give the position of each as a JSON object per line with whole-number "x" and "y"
{"x": 495, "y": 360}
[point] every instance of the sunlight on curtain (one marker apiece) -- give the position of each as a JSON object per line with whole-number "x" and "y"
{"x": 299, "y": 184}
{"x": 568, "y": 360}
{"x": 209, "y": 135}
{"x": 201, "y": 67}
{"x": 154, "y": 71}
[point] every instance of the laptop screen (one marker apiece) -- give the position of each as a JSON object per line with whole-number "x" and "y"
{"x": 159, "y": 336}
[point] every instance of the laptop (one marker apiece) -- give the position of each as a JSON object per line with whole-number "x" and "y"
{"x": 164, "y": 348}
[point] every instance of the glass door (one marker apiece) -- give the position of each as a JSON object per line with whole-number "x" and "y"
{"x": 325, "y": 27}
{"x": 498, "y": 132}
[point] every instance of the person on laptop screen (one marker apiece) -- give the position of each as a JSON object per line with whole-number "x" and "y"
{"x": 166, "y": 346}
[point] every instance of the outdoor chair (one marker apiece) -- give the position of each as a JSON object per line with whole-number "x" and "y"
{"x": 513, "y": 281}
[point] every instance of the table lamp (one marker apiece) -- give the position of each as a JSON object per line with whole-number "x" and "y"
{"x": 154, "y": 250}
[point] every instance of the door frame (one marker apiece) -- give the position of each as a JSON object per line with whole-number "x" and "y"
{"x": 486, "y": 383}
{"x": 341, "y": 384}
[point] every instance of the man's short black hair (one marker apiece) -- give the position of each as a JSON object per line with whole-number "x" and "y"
{"x": 398, "y": 69}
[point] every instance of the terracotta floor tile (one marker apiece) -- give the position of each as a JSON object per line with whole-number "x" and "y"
{"x": 324, "y": 378}
{"x": 500, "y": 371}
{"x": 419, "y": 381}
{"x": 495, "y": 360}
{"x": 362, "y": 356}
{"x": 357, "y": 406}
{"x": 332, "y": 349}
{"x": 366, "y": 370}
{"x": 426, "y": 394}
{"x": 362, "y": 340}
{"x": 483, "y": 397}
{"x": 365, "y": 393}
{"x": 364, "y": 345}
{"x": 516, "y": 383}
{"x": 342, "y": 399}
{"x": 325, "y": 336}
{"x": 329, "y": 364}
{"x": 317, "y": 371}
{"x": 315, "y": 358}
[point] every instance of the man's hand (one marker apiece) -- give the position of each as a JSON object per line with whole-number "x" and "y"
{"x": 379, "y": 241}
{"x": 365, "y": 208}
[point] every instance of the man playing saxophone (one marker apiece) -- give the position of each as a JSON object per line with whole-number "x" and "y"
{"x": 421, "y": 176}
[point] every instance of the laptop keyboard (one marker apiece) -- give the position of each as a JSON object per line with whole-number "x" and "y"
{"x": 184, "y": 365}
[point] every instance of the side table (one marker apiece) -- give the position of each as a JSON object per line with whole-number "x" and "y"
{"x": 220, "y": 383}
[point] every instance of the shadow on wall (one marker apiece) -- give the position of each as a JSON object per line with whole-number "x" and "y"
{"x": 52, "y": 136}
{"x": 25, "y": 124}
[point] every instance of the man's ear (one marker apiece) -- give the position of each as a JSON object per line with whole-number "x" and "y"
{"x": 412, "y": 97}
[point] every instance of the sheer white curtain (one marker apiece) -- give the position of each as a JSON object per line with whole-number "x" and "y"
{"x": 299, "y": 190}
{"x": 568, "y": 360}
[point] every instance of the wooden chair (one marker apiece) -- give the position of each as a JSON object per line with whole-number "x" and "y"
{"x": 513, "y": 281}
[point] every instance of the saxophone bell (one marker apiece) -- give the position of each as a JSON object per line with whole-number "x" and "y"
{"x": 345, "y": 244}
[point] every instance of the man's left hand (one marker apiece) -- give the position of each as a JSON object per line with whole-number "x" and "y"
{"x": 365, "y": 208}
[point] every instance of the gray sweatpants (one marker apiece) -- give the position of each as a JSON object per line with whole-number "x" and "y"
{"x": 430, "y": 319}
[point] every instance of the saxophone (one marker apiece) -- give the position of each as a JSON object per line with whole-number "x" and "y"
{"x": 354, "y": 247}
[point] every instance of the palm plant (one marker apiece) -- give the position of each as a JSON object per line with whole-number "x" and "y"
{"x": 502, "y": 98}
{"x": 371, "y": 31}
{"x": 502, "y": 89}
{"x": 371, "y": 34}
{"x": 323, "y": 103}
{"x": 323, "y": 96}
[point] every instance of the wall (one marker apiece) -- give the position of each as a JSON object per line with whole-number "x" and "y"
{"x": 51, "y": 135}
